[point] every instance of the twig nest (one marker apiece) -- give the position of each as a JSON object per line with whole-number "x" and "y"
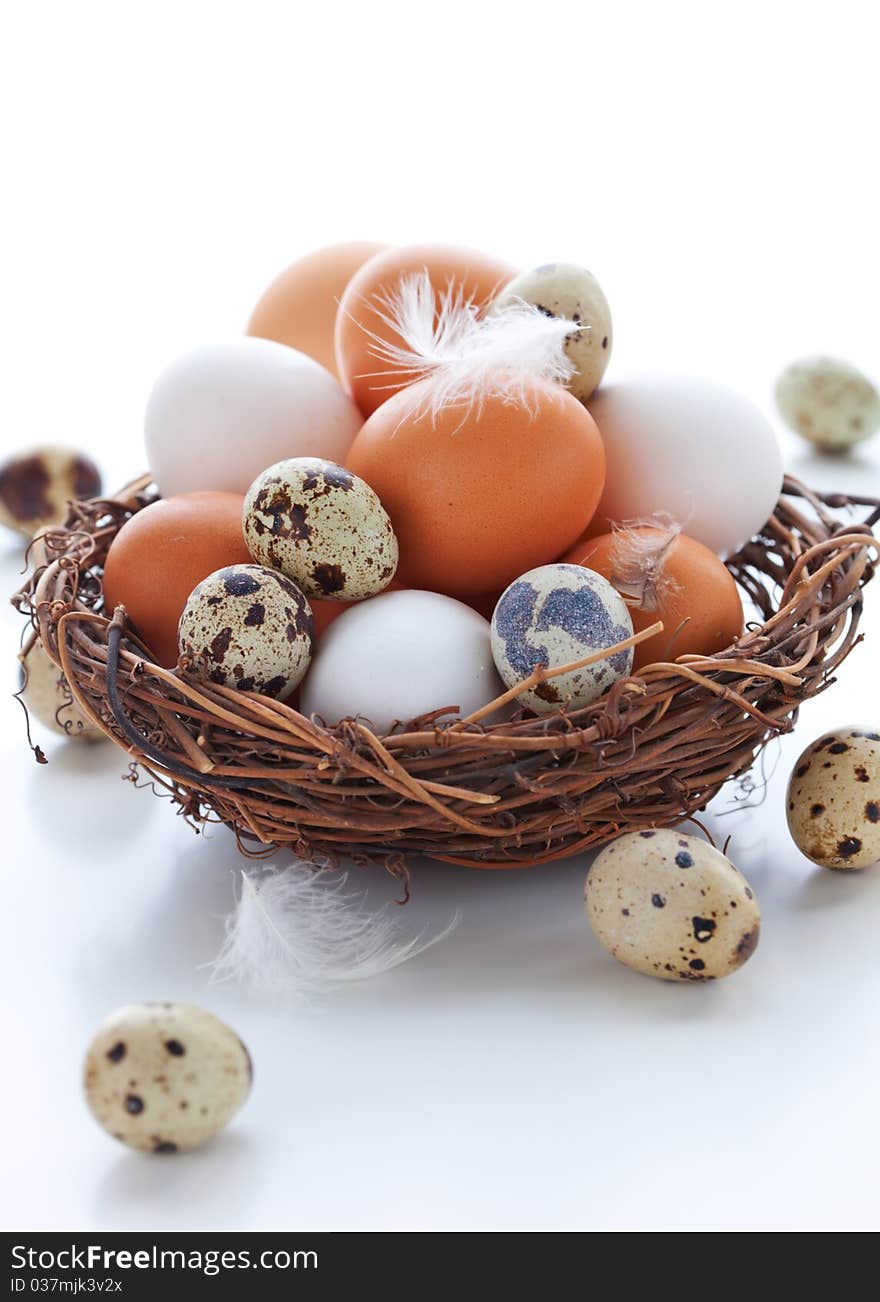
{"x": 828, "y": 402}
{"x": 672, "y": 906}
{"x": 323, "y": 527}
{"x": 36, "y": 486}
{"x": 833, "y": 801}
{"x": 47, "y": 696}
{"x": 248, "y": 627}
{"x": 165, "y": 1077}
{"x": 561, "y": 289}
{"x": 552, "y": 616}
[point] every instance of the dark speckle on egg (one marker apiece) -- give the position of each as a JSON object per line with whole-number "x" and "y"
{"x": 220, "y": 644}
{"x": 239, "y": 583}
{"x": 329, "y": 578}
{"x": 848, "y": 846}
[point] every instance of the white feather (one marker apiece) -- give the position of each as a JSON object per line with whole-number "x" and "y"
{"x": 296, "y": 931}
{"x": 468, "y": 357}
{"x": 639, "y": 551}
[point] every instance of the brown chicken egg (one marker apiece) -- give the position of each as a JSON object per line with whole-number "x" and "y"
{"x": 162, "y": 552}
{"x": 665, "y": 575}
{"x": 299, "y": 307}
{"x": 363, "y": 323}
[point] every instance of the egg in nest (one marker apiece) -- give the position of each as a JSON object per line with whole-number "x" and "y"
{"x": 401, "y": 655}
{"x": 299, "y": 307}
{"x": 366, "y": 324}
{"x": 161, "y": 553}
{"x": 480, "y": 492}
{"x": 323, "y": 527}
{"x": 554, "y": 615}
{"x": 249, "y": 628}
{"x": 220, "y": 414}
{"x": 666, "y": 576}
{"x": 563, "y": 290}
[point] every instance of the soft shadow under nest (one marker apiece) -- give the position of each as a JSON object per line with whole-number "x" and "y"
{"x": 650, "y": 753}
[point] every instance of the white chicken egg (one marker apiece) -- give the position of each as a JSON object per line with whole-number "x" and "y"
{"x": 219, "y": 415}
{"x": 691, "y": 449}
{"x": 401, "y": 655}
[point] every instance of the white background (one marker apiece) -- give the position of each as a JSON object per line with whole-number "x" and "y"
{"x": 716, "y": 168}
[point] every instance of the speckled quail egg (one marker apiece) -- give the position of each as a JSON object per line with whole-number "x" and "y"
{"x": 828, "y": 402}
{"x": 551, "y": 616}
{"x": 165, "y": 1077}
{"x": 46, "y": 695}
{"x": 672, "y": 906}
{"x": 36, "y": 486}
{"x": 250, "y": 628}
{"x": 564, "y": 290}
{"x": 323, "y": 527}
{"x": 833, "y": 801}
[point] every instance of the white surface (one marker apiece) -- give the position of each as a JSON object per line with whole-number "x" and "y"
{"x": 161, "y": 165}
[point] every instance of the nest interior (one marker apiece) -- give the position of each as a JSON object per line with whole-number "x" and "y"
{"x": 650, "y": 753}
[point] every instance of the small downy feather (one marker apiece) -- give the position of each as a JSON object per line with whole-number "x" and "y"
{"x": 296, "y": 931}
{"x": 638, "y": 557}
{"x": 468, "y": 357}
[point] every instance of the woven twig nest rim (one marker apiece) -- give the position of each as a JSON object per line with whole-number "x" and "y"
{"x": 650, "y": 753}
